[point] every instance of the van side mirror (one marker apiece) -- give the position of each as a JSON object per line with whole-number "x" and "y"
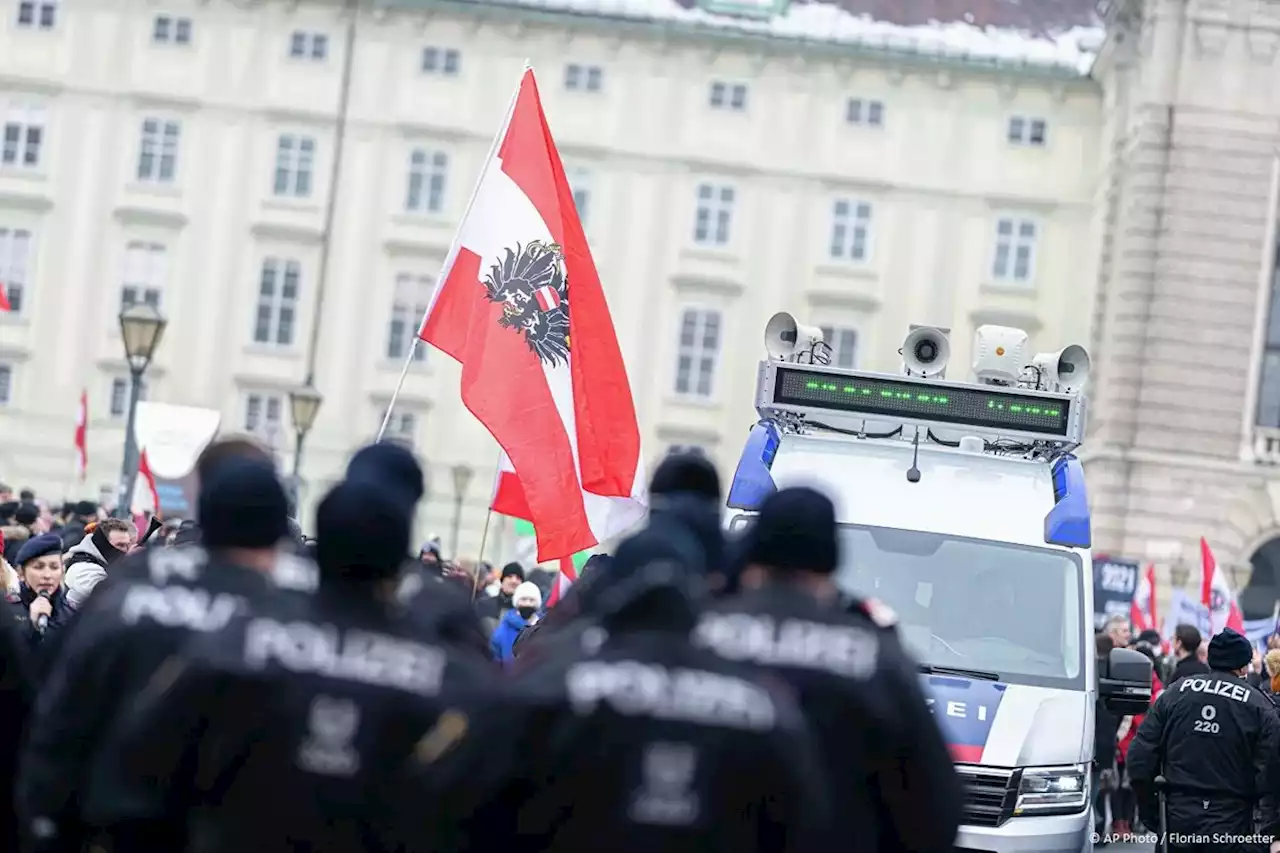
{"x": 1124, "y": 682}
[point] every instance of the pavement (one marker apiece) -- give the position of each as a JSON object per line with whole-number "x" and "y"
{"x": 1128, "y": 848}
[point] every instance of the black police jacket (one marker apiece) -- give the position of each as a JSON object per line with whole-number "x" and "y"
{"x": 1217, "y": 742}
{"x": 16, "y": 694}
{"x": 70, "y": 766}
{"x": 277, "y": 732}
{"x": 645, "y": 743}
{"x": 882, "y": 751}
{"x": 33, "y": 637}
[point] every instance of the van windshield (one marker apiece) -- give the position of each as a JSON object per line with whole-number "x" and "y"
{"x": 1009, "y": 610}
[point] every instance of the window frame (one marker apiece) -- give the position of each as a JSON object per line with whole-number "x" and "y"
{"x": 155, "y": 278}
{"x": 697, "y": 352}
{"x": 295, "y": 162}
{"x": 17, "y": 285}
{"x": 263, "y": 401}
{"x": 1015, "y": 240}
{"x": 844, "y": 230}
{"x": 24, "y": 132}
{"x": 37, "y": 15}
{"x": 717, "y": 229}
{"x": 427, "y": 182}
{"x": 158, "y": 148}
{"x": 406, "y": 315}
{"x": 270, "y": 310}
{"x": 830, "y": 333}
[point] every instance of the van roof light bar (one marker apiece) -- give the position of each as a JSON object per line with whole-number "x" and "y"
{"x": 853, "y": 397}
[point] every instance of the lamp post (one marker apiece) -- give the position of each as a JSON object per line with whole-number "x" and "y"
{"x": 461, "y": 479}
{"x": 141, "y": 328}
{"x": 304, "y": 405}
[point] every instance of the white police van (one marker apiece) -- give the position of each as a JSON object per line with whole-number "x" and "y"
{"x": 964, "y": 511}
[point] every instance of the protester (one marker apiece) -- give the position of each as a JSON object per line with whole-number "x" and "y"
{"x": 1187, "y": 643}
{"x": 492, "y": 609}
{"x": 526, "y": 601}
{"x": 87, "y": 563}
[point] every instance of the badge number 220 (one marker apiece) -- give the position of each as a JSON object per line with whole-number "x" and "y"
{"x": 1206, "y": 723}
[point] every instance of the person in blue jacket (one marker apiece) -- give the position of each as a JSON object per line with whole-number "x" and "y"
{"x": 526, "y": 602}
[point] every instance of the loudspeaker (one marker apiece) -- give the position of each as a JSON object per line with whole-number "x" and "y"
{"x": 1064, "y": 370}
{"x": 784, "y": 337}
{"x": 926, "y": 351}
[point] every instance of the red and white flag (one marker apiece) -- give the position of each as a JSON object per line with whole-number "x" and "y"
{"x": 1142, "y": 610}
{"x": 520, "y": 306}
{"x": 82, "y": 436}
{"x": 1216, "y": 594}
{"x": 5, "y": 307}
{"x": 146, "y": 500}
{"x": 565, "y": 578}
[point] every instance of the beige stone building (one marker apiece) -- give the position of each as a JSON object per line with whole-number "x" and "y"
{"x": 1186, "y": 401}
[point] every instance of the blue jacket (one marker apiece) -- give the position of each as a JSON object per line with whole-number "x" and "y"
{"x": 504, "y": 636}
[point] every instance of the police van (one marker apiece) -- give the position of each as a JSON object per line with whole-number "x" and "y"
{"x": 963, "y": 510}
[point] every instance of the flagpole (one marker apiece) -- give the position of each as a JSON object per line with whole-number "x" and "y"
{"x": 484, "y": 533}
{"x": 453, "y": 250}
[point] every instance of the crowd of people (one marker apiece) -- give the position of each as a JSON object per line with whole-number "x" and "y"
{"x": 1214, "y": 763}
{"x": 228, "y": 686}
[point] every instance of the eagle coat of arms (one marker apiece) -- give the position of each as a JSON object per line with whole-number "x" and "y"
{"x": 530, "y": 284}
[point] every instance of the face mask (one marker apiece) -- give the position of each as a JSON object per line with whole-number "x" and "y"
{"x": 526, "y": 611}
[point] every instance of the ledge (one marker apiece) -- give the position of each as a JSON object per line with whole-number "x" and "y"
{"x": 294, "y": 232}
{"x": 141, "y": 214}
{"x": 711, "y": 284}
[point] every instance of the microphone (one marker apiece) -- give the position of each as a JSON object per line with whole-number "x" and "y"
{"x": 42, "y": 621}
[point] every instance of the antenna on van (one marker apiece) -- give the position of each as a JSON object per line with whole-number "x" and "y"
{"x": 913, "y": 473}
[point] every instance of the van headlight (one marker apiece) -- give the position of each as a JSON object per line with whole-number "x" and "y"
{"x": 1053, "y": 790}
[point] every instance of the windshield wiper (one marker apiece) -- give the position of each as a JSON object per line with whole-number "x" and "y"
{"x": 955, "y": 670}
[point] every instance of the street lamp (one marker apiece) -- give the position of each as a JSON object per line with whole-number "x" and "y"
{"x": 462, "y": 474}
{"x": 304, "y": 405}
{"x": 141, "y": 328}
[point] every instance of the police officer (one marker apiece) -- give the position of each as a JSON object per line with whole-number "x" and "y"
{"x": 637, "y": 742}
{"x": 884, "y": 756}
{"x": 71, "y": 765}
{"x": 684, "y": 493}
{"x": 17, "y": 691}
{"x": 1216, "y": 740}
{"x": 303, "y": 705}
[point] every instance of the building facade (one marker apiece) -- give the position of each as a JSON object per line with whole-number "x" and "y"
{"x": 1186, "y": 414}
{"x": 187, "y": 154}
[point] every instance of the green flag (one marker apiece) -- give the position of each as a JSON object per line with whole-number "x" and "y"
{"x": 524, "y": 530}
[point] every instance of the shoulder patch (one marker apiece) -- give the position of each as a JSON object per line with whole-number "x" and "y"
{"x": 879, "y": 613}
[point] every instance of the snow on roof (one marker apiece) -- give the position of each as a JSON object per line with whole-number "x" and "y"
{"x": 1069, "y": 44}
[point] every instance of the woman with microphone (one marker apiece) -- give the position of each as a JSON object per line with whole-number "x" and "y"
{"x": 41, "y": 603}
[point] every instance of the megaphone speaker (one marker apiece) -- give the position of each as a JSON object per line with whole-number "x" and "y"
{"x": 926, "y": 351}
{"x": 1067, "y": 369}
{"x": 784, "y": 337}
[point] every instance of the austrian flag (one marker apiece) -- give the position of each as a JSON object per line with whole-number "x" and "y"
{"x": 520, "y": 306}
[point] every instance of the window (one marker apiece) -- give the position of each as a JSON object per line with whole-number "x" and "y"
{"x": 1027, "y": 131}
{"x": 305, "y": 45}
{"x": 277, "y": 312}
{"x": 844, "y": 346}
{"x": 850, "y": 230}
{"x": 714, "y": 215}
{"x": 295, "y": 158}
{"x": 729, "y": 96}
{"x": 408, "y": 307}
{"x": 262, "y": 415}
{"x": 427, "y": 172}
{"x": 16, "y": 246}
{"x": 146, "y": 268}
{"x": 158, "y": 151}
{"x": 119, "y": 403}
{"x": 584, "y": 78}
{"x": 698, "y": 352}
{"x": 403, "y": 427}
{"x": 42, "y": 14}
{"x": 580, "y": 183}
{"x": 440, "y": 60}
{"x": 23, "y": 137}
{"x": 1015, "y": 250}
{"x": 168, "y": 30}
{"x": 6, "y": 384}
{"x": 859, "y": 111}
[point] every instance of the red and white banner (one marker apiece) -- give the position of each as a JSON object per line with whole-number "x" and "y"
{"x": 1216, "y": 594}
{"x": 146, "y": 500}
{"x": 82, "y": 437}
{"x": 520, "y": 306}
{"x": 1142, "y": 610}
